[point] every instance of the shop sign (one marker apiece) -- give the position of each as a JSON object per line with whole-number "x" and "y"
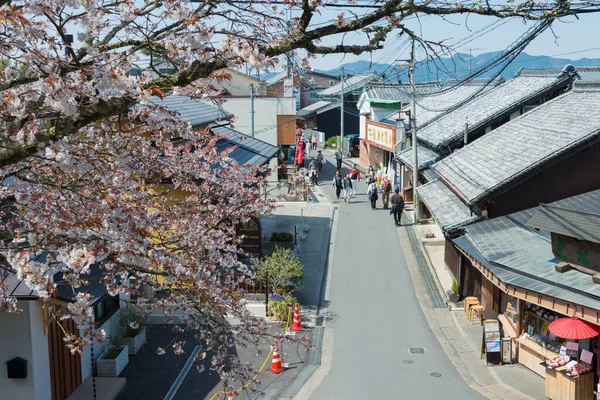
{"x": 383, "y": 137}
{"x": 579, "y": 252}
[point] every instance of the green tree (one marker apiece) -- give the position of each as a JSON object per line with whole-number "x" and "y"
{"x": 281, "y": 269}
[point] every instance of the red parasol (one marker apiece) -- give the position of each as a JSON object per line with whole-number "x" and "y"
{"x": 573, "y": 328}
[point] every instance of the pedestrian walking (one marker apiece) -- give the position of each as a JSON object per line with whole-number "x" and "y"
{"x": 355, "y": 178}
{"x": 320, "y": 160}
{"x": 372, "y": 194}
{"x": 338, "y": 158}
{"x": 370, "y": 176}
{"x": 314, "y": 141}
{"x": 313, "y": 171}
{"x": 338, "y": 183}
{"x": 386, "y": 189}
{"x": 347, "y": 187}
{"x": 397, "y": 206}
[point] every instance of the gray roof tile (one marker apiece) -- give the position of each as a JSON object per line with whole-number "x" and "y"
{"x": 195, "y": 111}
{"x": 356, "y": 82}
{"x": 522, "y": 256}
{"x": 515, "y": 148}
{"x": 499, "y": 101}
{"x": 312, "y": 108}
{"x": 431, "y": 106}
{"x": 590, "y": 74}
{"x": 248, "y": 151}
{"x": 425, "y": 156}
{"x": 447, "y": 208}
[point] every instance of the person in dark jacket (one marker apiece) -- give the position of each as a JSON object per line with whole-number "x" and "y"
{"x": 397, "y": 206}
{"x": 338, "y": 183}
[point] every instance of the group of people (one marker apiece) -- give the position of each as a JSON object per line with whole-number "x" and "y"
{"x": 347, "y": 185}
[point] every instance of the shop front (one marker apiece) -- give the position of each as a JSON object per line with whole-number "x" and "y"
{"x": 379, "y": 145}
{"x": 569, "y": 366}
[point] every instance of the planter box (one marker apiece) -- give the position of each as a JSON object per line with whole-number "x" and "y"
{"x": 112, "y": 368}
{"x": 454, "y": 297}
{"x": 136, "y": 343}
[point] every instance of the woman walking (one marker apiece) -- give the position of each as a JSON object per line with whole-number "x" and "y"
{"x": 338, "y": 183}
{"x": 347, "y": 188}
{"x": 372, "y": 194}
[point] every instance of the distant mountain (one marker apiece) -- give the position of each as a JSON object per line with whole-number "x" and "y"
{"x": 458, "y": 67}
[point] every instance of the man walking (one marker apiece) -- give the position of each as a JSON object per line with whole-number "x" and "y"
{"x": 386, "y": 189}
{"x": 355, "y": 177}
{"x": 338, "y": 158}
{"x": 397, "y": 206}
{"x": 338, "y": 183}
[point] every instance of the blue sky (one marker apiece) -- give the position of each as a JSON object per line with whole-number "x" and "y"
{"x": 574, "y": 39}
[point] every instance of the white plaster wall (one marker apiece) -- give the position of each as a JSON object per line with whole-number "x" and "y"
{"x": 15, "y": 341}
{"x": 380, "y": 113}
{"x": 365, "y": 108}
{"x": 266, "y": 110}
{"x": 239, "y": 85}
{"x": 39, "y": 348}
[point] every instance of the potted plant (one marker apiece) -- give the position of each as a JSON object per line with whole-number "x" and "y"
{"x": 112, "y": 362}
{"x": 131, "y": 325}
{"x": 453, "y": 294}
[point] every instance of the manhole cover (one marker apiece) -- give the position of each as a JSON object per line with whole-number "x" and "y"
{"x": 436, "y": 374}
{"x": 408, "y": 361}
{"x": 416, "y": 350}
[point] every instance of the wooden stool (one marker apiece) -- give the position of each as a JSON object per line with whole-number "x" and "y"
{"x": 475, "y": 310}
{"x": 468, "y": 302}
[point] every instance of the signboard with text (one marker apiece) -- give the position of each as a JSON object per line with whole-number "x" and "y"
{"x": 576, "y": 252}
{"x": 381, "y": 135}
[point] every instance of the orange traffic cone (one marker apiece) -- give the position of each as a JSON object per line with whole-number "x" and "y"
{"x": 276, "y": 365}
{"x": 297, "y": 325}
{"x": 230, "y": 396}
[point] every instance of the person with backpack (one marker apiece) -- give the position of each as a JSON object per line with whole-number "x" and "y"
{"x": 347, "y": 188}
{"x": 386, "y": 189}
{"x": 338, "y": 183}
{"x": 397, "y": 206}
{"x": 355, "y": 178}
{"x": 372, "y": 194}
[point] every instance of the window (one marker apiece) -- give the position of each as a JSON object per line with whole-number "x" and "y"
{"x": 105, "y": 308}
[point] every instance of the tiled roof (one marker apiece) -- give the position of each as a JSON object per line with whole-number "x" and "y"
{"x": 577, "y": 216}
{"x": 589, "y": 74}
{"x": 249, "y": 151}
{"x": 195, "y": 111}
{"x": 312, "y": 108}
{"x": 276, "y": 78}
{"x": 501, "y": 100}
{"x": 446, "y": 207}
{"x": 354, "y": 83}
{"x": 430, "y": 175}
{"x": 516, "y": 148}
{"x": 435, "y": 105}
{"x": 425, "y": 157}
{"x": 522, "y": 256}
{"x": 399, "y": 92}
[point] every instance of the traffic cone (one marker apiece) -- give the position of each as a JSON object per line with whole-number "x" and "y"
{"x": 297, "y": 325}
{"x": 230, "y": 396}
{"x": 276, "y": 365}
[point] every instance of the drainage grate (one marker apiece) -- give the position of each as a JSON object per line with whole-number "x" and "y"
{"x": 408, "y": 361}
{"x": 436, "y": 374}
{"x": 416, "y": 350}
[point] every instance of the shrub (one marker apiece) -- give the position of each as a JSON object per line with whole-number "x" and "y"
{"x": 332, "y": 141}
{"x": 281, "y": 269}
{"x": 279, "y": 307}
{"x": 454, "y": 286}
{"x": 131, "y": 320}
{"x": 282, "y": 237}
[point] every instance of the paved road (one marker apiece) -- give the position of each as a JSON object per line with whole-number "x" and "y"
{"x": 375, "y": 316}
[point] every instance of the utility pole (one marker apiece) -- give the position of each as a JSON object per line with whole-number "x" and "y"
{"x": 340, "y": 144}
{"x": 413, "y": 125}
{"x": 252, "y": 108}
{"x": 466, "y": 130}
